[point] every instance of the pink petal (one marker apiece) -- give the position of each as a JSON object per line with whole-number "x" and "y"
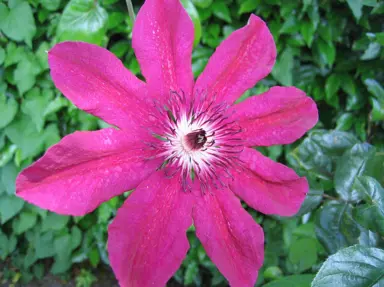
{"x": 147, "y": 240}
{"x": 98, "y": 83}
{"x": 268, "y": 186}
{"x": 163, "y": 40}
{"x": 278, "y": 116}
{"x": 240, "y": 61}
{"x": 83, "y": 170}
{"x": 230, "y": 236}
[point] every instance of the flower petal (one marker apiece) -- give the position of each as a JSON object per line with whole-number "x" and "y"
{"x": 268, "y": 186}
{"x": 279, "y": 116}
{"x": 83, "y": 170}
{"x": 163, "y": 40}
{"x": 147, "y": 240}
{"x": 240, "y": 61}
{"x": 230, "y": 236}
{"x": 98, "y": 83}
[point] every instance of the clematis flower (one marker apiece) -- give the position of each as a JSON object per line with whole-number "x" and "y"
{"x": 184, "y": 146}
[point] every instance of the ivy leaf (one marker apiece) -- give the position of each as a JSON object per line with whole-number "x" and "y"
{"x": 354, "y": 266}
{"x": 352, "y": 164}
{"x": 377, "y": 100}
{"x": 83, "y": 20}
{"x": 54, "y": 221}
{"x": 248, "y": 6}
{"x": 8, "y": 110}
{"x": 202, "y": 3}
{"x": 326, "y": 52}
{"x": 335, "y": 227}
{"x": 372, "y": 52}
{"x": 23, "y": 133}
{"x": 282, "y": 71}
{"x": 25, "y": 221}
{"x": 19, "y": 24}
{"x": 318, "y": 152}
{"x": 221, "y": 11}
{"x": 307, "y": 30}
{"x": 371, "y": 214}
{"x": 356, "y": 7}
{"x": 10, "y": 206}
{"x": 332, "y": 85}
{"x": 51, "y": 5}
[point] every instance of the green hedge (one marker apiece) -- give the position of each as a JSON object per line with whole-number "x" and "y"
{"x": 332, "y": 49}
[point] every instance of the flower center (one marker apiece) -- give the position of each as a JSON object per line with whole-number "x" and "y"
{"x": 196, "y": 138}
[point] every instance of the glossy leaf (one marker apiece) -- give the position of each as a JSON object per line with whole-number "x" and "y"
{"x": 351, "y": 165}
{"x": 335, "y": 227}
{"x": 371, "y": 214}
{"x": 354, "y": 266}
{"x": 83, "y": 20}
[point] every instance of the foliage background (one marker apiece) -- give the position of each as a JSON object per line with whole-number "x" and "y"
{"x": 332, "y": 49}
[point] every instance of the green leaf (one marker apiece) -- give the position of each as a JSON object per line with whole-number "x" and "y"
{"x": 94, "y": 257}
{"x": 356, "y": 7}
{"x": 25, "y": 73}
{"x": 248, "y": 6}
{"x": 355, "y": 266}
{"x": 377, "y": 91}
{"x": 83, "y": 20}
{"x": 192, "y": 12}
{"x": 23, "y": 133}
{"x": 44, "y": 247}
{"x": 62, "y": 245}
{"x": 25, "y": 221}
{"x": 345, "y": 122}
{"x": 282, "y": 71}
{"x": 326, "y": 52}
{"x": 75, "y": 237}
{"x": 202, "y": 3}
{"x": 54, "y": 221}
{"x": 350, "y": 165}
{"x": 19, "y": 24}
{"x": 191, "y": 272}
{"x": 372, "y": 52}
{"x": 307, "y": 30}
{"x": 55, "y": 105}
{"x": 221, "y": 11}
{"x": 303, "y": 280}
{"x": 332, "y": 85}
{"x": 8, "y": 177}
{"x": 317, "y": 153}
{"x": 14, "y": 54}
{"x": 303, "y": 254}
{"x": 371, "y": 214}
{"x": 34, "y": 105}
{"x": 51, "y": 5}
{"x": 2, "y": 56}
{"x": 312, "y": 200}
{"x": 10, "y": 205}
{"x": 6, "y": 154}
{"x": 42, "y": 55}
{"x": 335, "y": 227}
{"x": 8, "y": 110}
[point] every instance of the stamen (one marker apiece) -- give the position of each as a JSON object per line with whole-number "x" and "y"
{"x": 197, "y": 139}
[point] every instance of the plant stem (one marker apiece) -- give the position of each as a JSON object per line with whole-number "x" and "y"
{"x": 331, "y": 197}
{"x": 130, "y": 11}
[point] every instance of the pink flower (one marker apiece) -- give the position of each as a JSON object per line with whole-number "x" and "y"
{"x": 183, "y": 146}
